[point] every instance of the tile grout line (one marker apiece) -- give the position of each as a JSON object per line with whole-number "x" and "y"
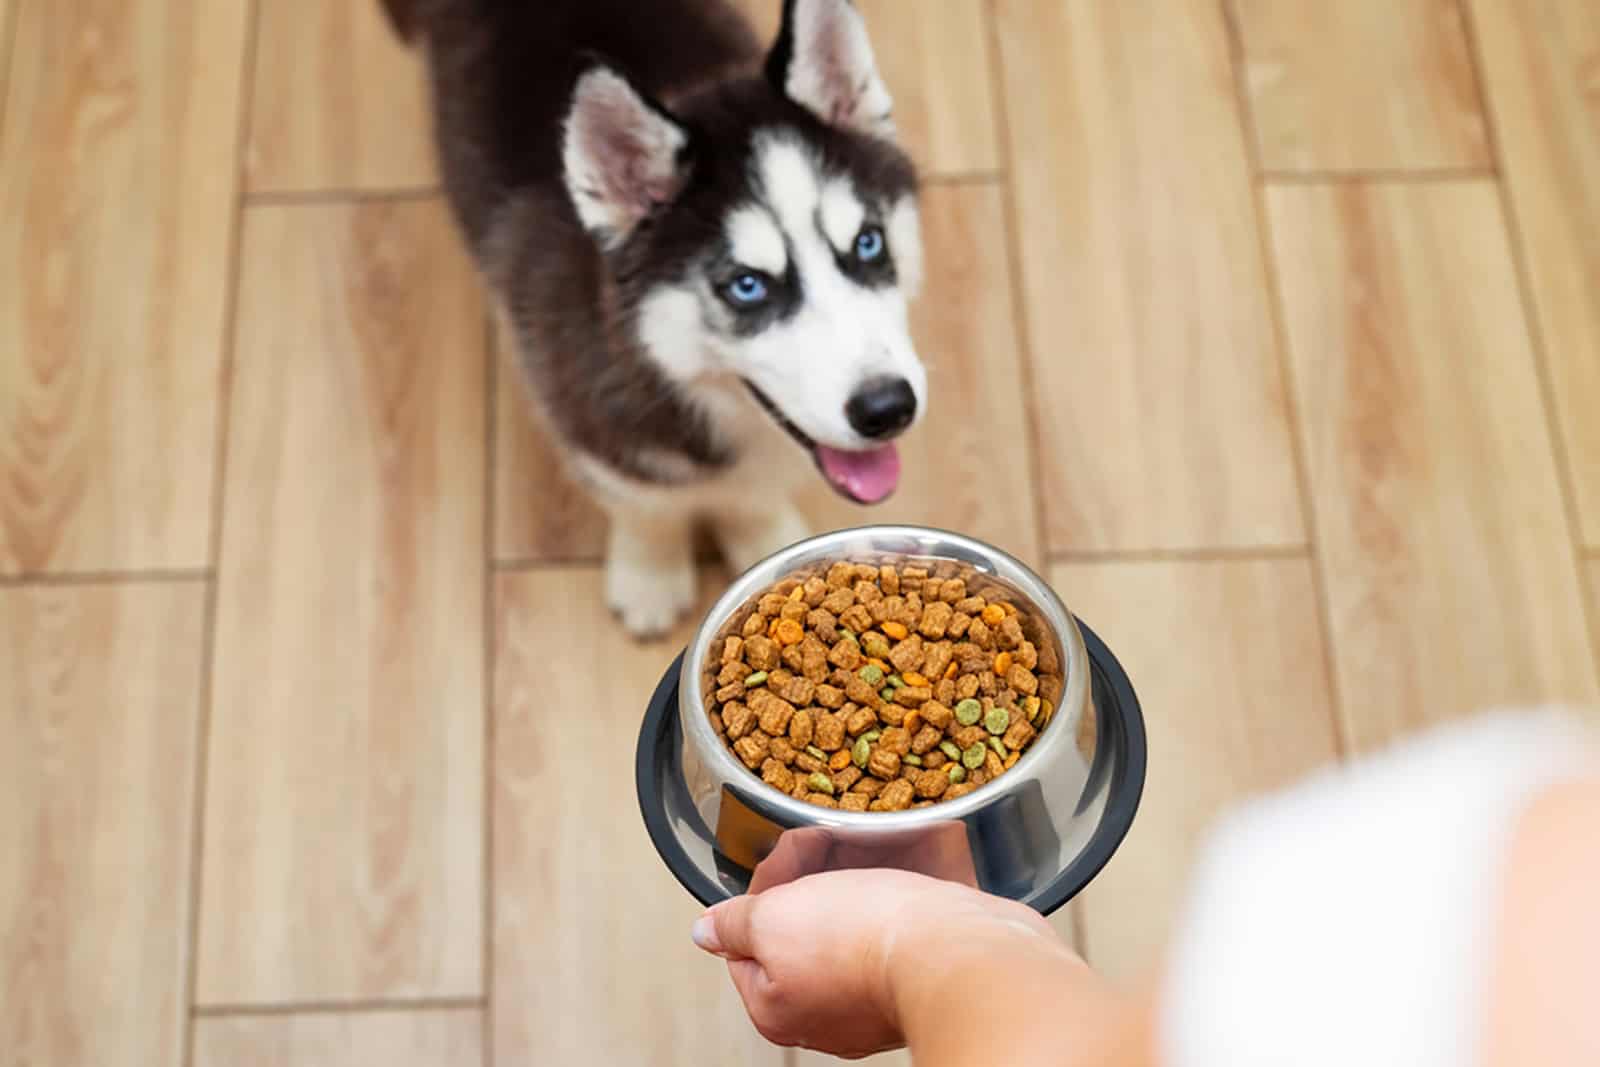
{"x": 1424, "y": 176}
{"x": 1005, "y": 149}
{"x": 1184, "y": 555}
{"x": 337, "y": 1007}
{"x": 491, "y": 459}
{"x": 1534, "y": 329}
{"x": 207, "y": 694}
{"x": 133, "y": 577}
{"x": 1298, "y": 443}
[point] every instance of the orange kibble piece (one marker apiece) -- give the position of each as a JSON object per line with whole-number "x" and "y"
{"x": 994, "y": 614}
{"x": 896, "y": 630}
{"x": 882, "y": 666}
{"x": 915, "y": 679}
{"x": 913, "y": 722}
{"x": 1002, "y": 663}
{"x": 950, "y": 671}
{"x": 840, "y": 760}
{"x": 1008, "y": 607}
{"x": 788, "y": 632}
{"x": 1011, "y": 760}
{"x": 797, "y": 593}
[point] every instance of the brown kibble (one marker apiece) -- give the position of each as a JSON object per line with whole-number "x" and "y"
{"x": 882, "y": 609}
{"x": 838, "y": 602}
{"x": 992, "y": 765}
{"x": 868, "y": 786}
{"x": 875, "y": 645}
{"x": 846, "y": 776}
{"x": 829, "y": 733}
{"x": 771, "y": 605}
{"x": 854, "y": 802}
{"x": 829, "y": 696}
{"x": 896, "y": 740}
{"x": 937, "y": 714}
{"x": 988, "y": 684}
{"x": 738, "y": 720}
{"x": 857, "y": 618}
{"x": 801, "y": 726}
{"x": 730, "y": 673}
{"x": 945, "y": 691}
{"x": 860, "y": 692}
{"x": 761, "y": 652}
{"x": 792, "y": 659}
{"x": 860, "y": 721}
{"x": 935, "y": 620}
{"x": 912, "y": 696}
{"x": 892, "y": 714}
{"x": 967, "y": 736}
{"x": 800, "y": 790}
{"x": 889, "y": 579}
{"x": 977, "y": 778}
{"x": 729, "y": 692}
{"x": 1050, "y": 688}
{"x": 980, "y": 633}
{"x": 775, "y": 774}
{"x": 966, "y": 687}
{"x": 846, "y": 654}
{"x": 1018, "y": 734}
{"x": 811, "y": 764}
{"x": 1010, "y": 633}
{"x": 773, "y": 711}
{"x": 897, "y": 796}
{"x": 783, "y": 750}
{"x": 956, "y": 792}
{"x": 913, "y": 573}
{"x": 953, "y": 590}
{"x": 971, "y": 659}
{"x": 821, "y": 800}
{"x": 959, "y": 622}
{"x": 866, "y": 592}
{"x": 883, "y": 763}
{"x": 815, "y": 590}
{"x": 926, "y": 738}
{"x": 753, "y": 749}
{"x": 1027, "y": 655}
{"x": 931, "y": 785}
{"x": 1022, "y": 680}
{"x": 934, "y": 760}
{"x": 823, "y": 624}
{"x": 971, "y": 605}
{"x": 908, "y": 655}
{"x": 795, "y": 690}
{"x": 841, "y": 575}
{"x": 732, "y": 650}
{"x": 754, "y": 625}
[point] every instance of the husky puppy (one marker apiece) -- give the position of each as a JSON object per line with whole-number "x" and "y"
{"x": 704, "y": 250}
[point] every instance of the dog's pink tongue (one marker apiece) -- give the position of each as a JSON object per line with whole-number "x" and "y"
{"x": 868, "y": 477}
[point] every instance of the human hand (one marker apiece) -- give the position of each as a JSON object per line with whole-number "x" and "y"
{"x": 822, "y": 963}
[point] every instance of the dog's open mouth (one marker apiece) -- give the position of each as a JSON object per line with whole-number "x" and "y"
{"x": 866, "y": 477}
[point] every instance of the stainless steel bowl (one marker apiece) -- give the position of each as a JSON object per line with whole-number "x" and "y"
{"x": 1037, "y": 833}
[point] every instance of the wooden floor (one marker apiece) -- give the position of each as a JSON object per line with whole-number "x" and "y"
{"x": 1271, "y": 328}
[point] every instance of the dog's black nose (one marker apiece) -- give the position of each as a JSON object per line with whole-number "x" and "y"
{"x": 882, "y": 408}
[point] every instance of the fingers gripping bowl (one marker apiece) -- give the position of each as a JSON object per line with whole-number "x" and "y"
{"x": 1040, "y": 800}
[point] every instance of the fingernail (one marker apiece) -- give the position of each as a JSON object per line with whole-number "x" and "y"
{"x": 704, "y": 933}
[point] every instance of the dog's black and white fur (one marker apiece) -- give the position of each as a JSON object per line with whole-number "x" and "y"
{"x": 705, "y": 250}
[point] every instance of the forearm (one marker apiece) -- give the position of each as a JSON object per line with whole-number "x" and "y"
{"x": 1002, "y": 992}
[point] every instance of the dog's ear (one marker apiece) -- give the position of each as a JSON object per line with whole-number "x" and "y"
{"x": 823, "y": 61}
{"x": 623, "y": 154}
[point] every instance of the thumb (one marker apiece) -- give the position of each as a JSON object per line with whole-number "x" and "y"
{"x": 727, "y": 930}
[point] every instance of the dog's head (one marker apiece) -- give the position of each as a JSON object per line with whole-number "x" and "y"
{"x": 765, "y": 228}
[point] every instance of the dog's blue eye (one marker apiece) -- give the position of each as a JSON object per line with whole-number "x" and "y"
{"x": 869, "y": 244}
{"x": 747, "y": 290}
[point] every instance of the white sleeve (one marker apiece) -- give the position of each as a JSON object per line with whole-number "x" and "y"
{"x": 1351, "y": 920}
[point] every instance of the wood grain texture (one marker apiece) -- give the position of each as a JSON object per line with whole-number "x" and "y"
{"x": 1541, "y": 61}
{"x": 1160, "y": 391}
{"x": 99, "y": 701}
{"x": 969, "y": 466}
{"x": 1227, "y": 658}
{"x": 1450, "y": 577}
{"x": 116, "y": 203}
{"x": 592, "y": 958}
{"x": 936, "y": 65}
{"x": 339, "y": 102}
{"x": 344, "y": 841}
{"x": 390, "y": 1038}
{"x": 540, "y": 514}
{"x": 1361, "y": 85}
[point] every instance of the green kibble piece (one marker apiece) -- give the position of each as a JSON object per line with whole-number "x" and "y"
{"x": 973, "y": 757}
{"x": 895, "y": 680}
{"x": 872, "y": 674}
{"x": 851, "y": 634}
{"x": 999, "y": 747}
{"x": 912, "y": 760}
{"x": 968, "y": 712}
{"x": 758, "y": 678}
{"x": 958, "y": 774}
{"x": 951, "y": 749}
{"x": 997, "y": 720}
{"x": 816, "y": 752}
{"x": 871, "y": 735}
{"x": 887, "y": 693}
{"x": 820, "y": 783}
{"x": 862, "y": 752}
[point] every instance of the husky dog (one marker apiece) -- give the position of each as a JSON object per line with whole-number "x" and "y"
{"x": 704, "y": 249}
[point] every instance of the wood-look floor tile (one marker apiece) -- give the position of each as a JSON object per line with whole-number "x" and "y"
{"x": 969, "y": 467}
{"x": 99, "y": 701}
{"x": 116, "y": 204}
{"x": 344, "y": 832}
{"x": 339, "y": 101}
{"x": 592, "y": 958}
{"x": 1541, "y": 59}
{"x": 387, "y": 1038}
{"x": 1227, "y": 659}
{"x": 1157, "y": 378}
{"x": 539, "y": 513}
{"x": 935, "y": 59}
{"x": 1361, "y": 85}
{"x": 1450, "y": 575}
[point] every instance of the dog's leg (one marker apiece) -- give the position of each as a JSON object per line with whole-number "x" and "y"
{"x": 749, "y": 535}
{"x": 650, "y": 579}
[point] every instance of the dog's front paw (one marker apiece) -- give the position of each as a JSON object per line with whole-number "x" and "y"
{"x": 650, "y": 592}
{"x": 747, "y": 539}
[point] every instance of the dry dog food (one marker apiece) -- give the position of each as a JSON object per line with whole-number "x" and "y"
{"x": 881, "y": 687}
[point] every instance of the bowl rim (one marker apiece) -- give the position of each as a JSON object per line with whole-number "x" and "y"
{"x": 694, "y": 722}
